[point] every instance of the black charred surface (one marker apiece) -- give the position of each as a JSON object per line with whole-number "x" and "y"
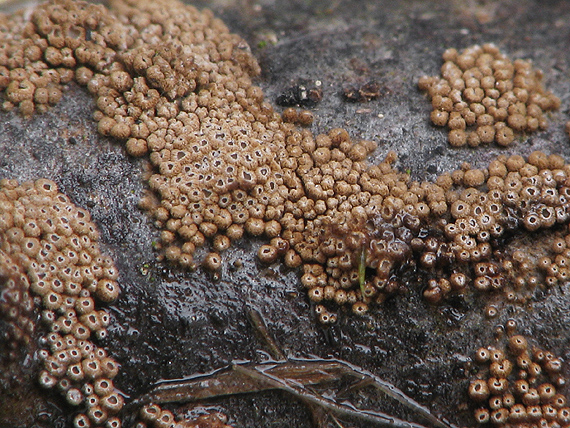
{"x": 168, "y": 323}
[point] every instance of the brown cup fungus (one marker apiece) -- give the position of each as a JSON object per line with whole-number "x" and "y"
{"x": 226, "y": 164}
{"x": 517, "y": 389}
{"x": 48, "y": 249}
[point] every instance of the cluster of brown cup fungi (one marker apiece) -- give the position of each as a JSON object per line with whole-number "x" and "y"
{"x": 173, "y": 84}
{"x": 49, "y": 249}
{"x": 49, "y": 254}
{"x": 16, "y": 308}
{"x": 454, "y": 230}
{"x": 520, "y": 195}
{"x": 153, "y": 416}
{"x": 517, "y": 386}
{"x": 482, "y": 96}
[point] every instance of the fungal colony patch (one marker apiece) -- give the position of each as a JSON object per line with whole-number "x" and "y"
{"x": 518, "y": 385}
{"x": 49, "y": 249}
{"x": 175, "y": 86}
{"x": 483, "y": 97}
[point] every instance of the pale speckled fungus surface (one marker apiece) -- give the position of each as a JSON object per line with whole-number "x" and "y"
{"x": 175, "y": 86}
{"x": 49, "y": 249}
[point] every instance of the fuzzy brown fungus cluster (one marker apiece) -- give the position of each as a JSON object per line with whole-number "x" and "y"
{"x": 351, "y": 216}
{"x": 48, "y": 249}
{"x": 175, "y": 85}
{"x": 551, "y": 268}
{"x": 482, "y": 97}
{"x": 518, "y": 386}
{"x": 17, "y": 318}
{"x": 152, "y": 416}
{"x": 214, "y": 142}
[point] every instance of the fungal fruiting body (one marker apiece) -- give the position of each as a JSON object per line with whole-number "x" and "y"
{"x": 153, "y": 416}
{"x": 484, "y": 97}
{"x": 16, "y": 307}
{"x": 174, "y": 85}
{"x": 49, "y": 250}
{"x": 461, "y": 232}
{"x": 518, "y": 385}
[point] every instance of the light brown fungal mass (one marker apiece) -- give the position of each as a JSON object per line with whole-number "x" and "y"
{"x": 49, "y": 250}
{"x": 482, "y": 97}
{"x": 16, "y": 307}
{"x": 519, "y": 385}
{"x": 153, "y": 416}
{"x": 173, "y": 84}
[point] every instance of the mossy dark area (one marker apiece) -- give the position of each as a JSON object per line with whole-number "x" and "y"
{"x": 168, "y": 323}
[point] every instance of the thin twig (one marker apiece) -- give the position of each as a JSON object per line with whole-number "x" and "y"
{"x": 293, "y": 376}
{"x": 260, "y": 328}
{"x": 388, "y": 389}
{"x": 367, "y": 415}
{"x": 336, "y": 421}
